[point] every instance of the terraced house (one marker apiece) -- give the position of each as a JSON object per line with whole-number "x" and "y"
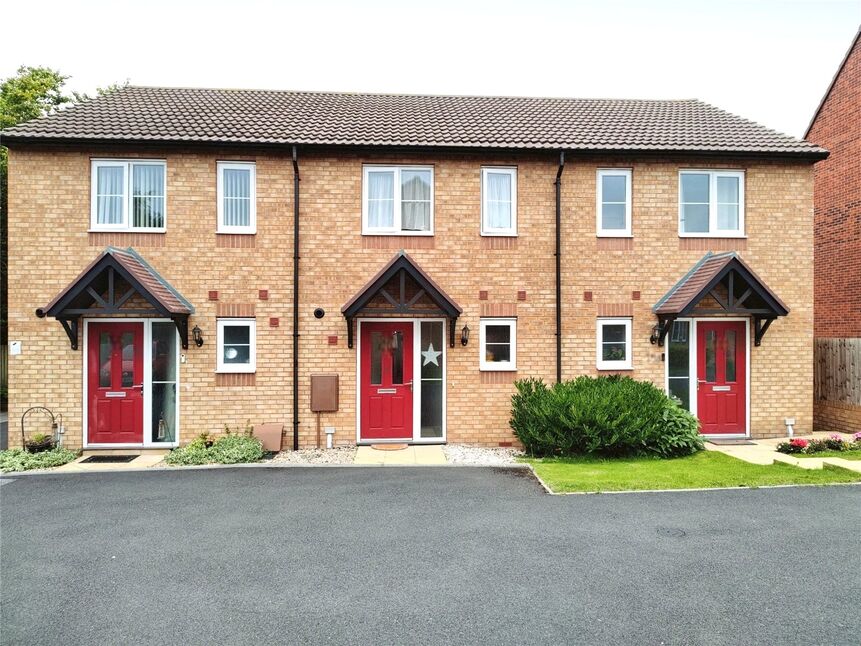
{"x": 387, "y": 266}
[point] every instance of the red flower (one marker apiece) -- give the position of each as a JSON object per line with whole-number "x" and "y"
{"x": 802, "y": 444}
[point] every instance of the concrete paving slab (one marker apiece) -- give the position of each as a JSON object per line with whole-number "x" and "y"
{"x": 140, "y": 462}
{"x": 412, "y": 455}
{"x": 843, "y": 463}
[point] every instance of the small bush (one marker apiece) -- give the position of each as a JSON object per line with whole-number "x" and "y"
{"x": 608, "y": 416}
{"x": 228, "y": 449}
{"x": 21, "y": 460}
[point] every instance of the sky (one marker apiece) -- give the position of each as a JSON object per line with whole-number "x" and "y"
{"x": 767, "y": 60}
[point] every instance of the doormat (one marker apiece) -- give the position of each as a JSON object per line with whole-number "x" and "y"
{"x": 389, "y": 447}
{"x": 108, "y": 458}
{"x": 740, "y": 442}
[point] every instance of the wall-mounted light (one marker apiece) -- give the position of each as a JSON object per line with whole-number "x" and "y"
{"x": 464, "y": 335}
{"x": 197, "y": 336}
{"x": 656, "y": 335}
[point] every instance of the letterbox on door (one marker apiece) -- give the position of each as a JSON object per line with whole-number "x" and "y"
{"x": 324, "y": 393}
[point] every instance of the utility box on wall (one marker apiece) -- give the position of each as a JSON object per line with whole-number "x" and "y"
{"x": 324, "y": 393}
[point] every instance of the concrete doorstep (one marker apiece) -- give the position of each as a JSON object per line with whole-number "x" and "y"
{"x": 410, "y": 456}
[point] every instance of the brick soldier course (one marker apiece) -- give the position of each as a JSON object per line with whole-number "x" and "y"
{"x": 251, "y": 275}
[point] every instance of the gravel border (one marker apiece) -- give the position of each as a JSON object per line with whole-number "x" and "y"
{"x": 338, "y": 455}
{"x": 481, "y": 456}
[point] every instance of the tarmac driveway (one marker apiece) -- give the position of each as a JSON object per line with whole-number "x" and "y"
{"x": 419, "y": 555}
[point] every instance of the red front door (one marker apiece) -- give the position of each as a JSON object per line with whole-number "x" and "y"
{"x": 721, "y": 377}
{"x": 386, "y": 379}
{"x": 114, "y": 383}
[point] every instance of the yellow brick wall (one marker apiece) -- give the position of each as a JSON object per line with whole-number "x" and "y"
{"x": 49, "y": 245}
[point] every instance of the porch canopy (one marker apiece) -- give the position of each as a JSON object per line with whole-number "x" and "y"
{"x": 720, "y": 284}
{"x": 401, "y": 288}
{"x": 108, "y": 287}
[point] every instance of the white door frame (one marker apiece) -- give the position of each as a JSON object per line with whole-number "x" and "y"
{"x": 692, "y": 369}
{"x": 417, "y": 381}
{"x": 147, "y": 381}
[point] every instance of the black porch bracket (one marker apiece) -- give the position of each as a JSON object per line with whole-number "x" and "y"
{"x": 760, "y": 326}
{"x": 71, "y": 327}
{"x": 665, "y": 323}
{"x": 181, "y": 323}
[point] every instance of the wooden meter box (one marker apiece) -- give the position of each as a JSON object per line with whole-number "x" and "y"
{"x": 324, "y": 393}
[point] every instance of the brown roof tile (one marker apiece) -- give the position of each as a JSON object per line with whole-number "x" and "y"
{"x": 328, "y": 118}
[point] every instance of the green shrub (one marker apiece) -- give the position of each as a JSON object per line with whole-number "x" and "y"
{"x": 227, "y": 449}
{"x": 608, "y": 416}
{"x": 21, "y": 460}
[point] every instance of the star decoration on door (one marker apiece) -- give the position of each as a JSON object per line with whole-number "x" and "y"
{"x": 431, "y": 356}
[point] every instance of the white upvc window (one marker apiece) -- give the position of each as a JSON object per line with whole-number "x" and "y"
{"x": 613, "y": 344}
{"x": 128, "y": 195}
{"x": 397, "y": 200}
{"x": 498, "y": 201}
{"x": 498, "y": 344}
{"x": 237, "y": 197}
{"x": 711, "y": 204}
{"x": 613, "y": 203}
{"x": 236, "y": 341}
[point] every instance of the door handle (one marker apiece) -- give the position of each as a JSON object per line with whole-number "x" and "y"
{"x": 410, "y": 384}
{"x": 139, "y": 386}
{"x": 701, "y": 381}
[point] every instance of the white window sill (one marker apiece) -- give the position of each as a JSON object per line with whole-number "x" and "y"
{"x": 398, "y": 233}
{"x": 236, "y": 372}
{"x": 606, "y": 234}
{"x": 497, "y": 369}
{"x": 723, "y": 234}
{"x": 613, "y": 368}
{"x": 127, "y": 230}
{"x": 235, "y": 232}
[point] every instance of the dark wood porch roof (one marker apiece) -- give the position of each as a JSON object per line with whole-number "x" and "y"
{"x": 108, "y": 283}
{"x": 400, "y": 266}
{"x": 731, "y": 284}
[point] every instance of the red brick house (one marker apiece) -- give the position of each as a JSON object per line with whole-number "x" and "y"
{"x": 836, "y": 125}
{"x": 182, "y": 259}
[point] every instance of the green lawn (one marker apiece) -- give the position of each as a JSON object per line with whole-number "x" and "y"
{"x": 701, "y": 470}
{"x": 848, "y": 455}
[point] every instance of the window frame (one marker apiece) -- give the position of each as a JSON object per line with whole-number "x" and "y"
{"x": 628, "y": 362}
{"x": 126, "y": 164}
{"x": 221, "y": 166}
{"x": 600, "y": 231}
{"x": 396, "y": 229}
{"x": 236, "y": 368}
{"x": 487, "y": 230}
{"x": 497, "y": 366}
{"x": 713, "y": 231}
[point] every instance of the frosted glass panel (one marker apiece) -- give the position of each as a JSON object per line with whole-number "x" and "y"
{"x": 695, "y": 188}
{"x": 613, "y": 216}
{"x": 128, "y": 345}
{"x": 105, "y": 347}
{"x": 431, "y": 379}
{"x": 613, "y": 188}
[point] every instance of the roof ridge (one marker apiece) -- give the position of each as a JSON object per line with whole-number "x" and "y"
{"x": 424, "y": 95}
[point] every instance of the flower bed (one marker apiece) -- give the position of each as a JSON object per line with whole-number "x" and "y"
{"x": 228, "y": 449}
{"x": 21, "y": 460}
{"x": 831, "y": 444}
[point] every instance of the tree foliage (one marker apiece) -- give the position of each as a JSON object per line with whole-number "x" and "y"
{"x": 33, "y": 92}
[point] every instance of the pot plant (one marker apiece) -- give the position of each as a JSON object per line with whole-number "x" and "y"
{"x": 39, "y": 442}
